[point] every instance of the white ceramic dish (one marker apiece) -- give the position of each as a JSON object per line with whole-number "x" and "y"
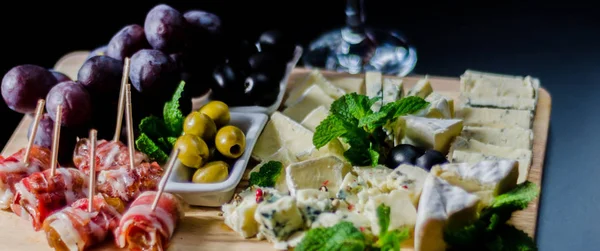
{"x": 216, "y": 194}
{"x": 200, "y": 101}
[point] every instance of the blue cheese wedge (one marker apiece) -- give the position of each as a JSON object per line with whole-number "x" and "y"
{"x": 487, "y": 178}
{"x": 421, "y": 89}
{"x": 431, "y": 133}
{"x": 402, "y": 212}
{"x": 392, "y": 90}
{"x": 314, "y": 78}
{"x": 350, "y": 84}
{"x": 278, "y": 219}
{"x": 312, "y": 203}
{"x": 314, "y": 118}
{"x": 349, "y": 189}
{"x": 437, "y": 96}
{"x": 282, "y": 131}
{"x": 442, "y": 206}
{"x": 239, "y": 213}
{"x": 328, "y": 171}
{"x": 374, "y": 88}
{"x": 311, "y": 99}
{"x": 373, "y": 176}
{"x": 477, "y": 100}
{"x": 493, "y": 117}
{"x": 407, "y": 177}
{"x": 511, "y": 136}
{"x": 496, "y": 85}
{"x": 523, "y": 156}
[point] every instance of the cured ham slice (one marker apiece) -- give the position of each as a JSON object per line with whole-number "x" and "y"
{"x": 109, "y": 155}
{"x": 75, "y": 229}
{"x": 142, "y": 228}
{"x": 40, "y": 194}
{"x": 126, "y": 183}
{"x": 12, "y": 170}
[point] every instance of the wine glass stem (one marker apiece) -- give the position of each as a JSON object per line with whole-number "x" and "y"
{"x": 355, "y": 16}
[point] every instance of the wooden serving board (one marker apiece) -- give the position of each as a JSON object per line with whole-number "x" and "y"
{"x": 203, "y": 228}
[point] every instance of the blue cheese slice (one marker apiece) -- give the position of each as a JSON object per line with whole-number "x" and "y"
{"x": 311, "y": 99}
{"x": 278, "y": 219}
{"x": 314, "y": 78}
{"x": 374, "y": 88}
{"x": 314, "y": 118}
{"x": 431, "y": 133}
{"x": 350, "y": 84}
{"x": 373, "y": 176}
{"x": 496, "y": 85}
{"x": 312, "y": 203}
{"x": 402, "y": 212}
{"x": 487, "y": 178}
{"x": 523, "y": 156}
{"x": 421, "y": 89}
{"x": 442, "y": 206}
{"x": 493, "y": 117}
{"x": 407, "y": 177}
{"x": 477, "y": 100}
{"x": 511, "y": 136}
{"x": 349, "y": 189}
{"x": 328, "y": 171}
{"x": 392, "y": 90}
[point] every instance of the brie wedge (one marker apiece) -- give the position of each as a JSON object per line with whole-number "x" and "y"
{"x": 442, "y": 206}
{"x": 314, "y": 78}
{"x": 430, "y": 133}
{"x": 311, "y": 99}
{"x": 402, "y": 212}
{"x": 326, "y": 171}
{"x": 436, "y": 96}
{"x": 492, "y": 117}
{"x": 282, "y": 155}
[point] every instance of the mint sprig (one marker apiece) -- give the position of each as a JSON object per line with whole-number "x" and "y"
{"x": 352, "y": 120}
{"x": 267, "y": 175}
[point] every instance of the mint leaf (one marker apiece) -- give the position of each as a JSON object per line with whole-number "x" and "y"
{"x": 172, "y": 140}
{"x": 383, "y": 217}
{"x": 518, "y": 198}
{"x": 153, "y": 126}
{"x": 392, "y": 111}
{"x": 342, "y": 236}
{"x": 146, "y": 145}
{"x": 391, "y": 240}
{"x": 329, "y": 129}
{"x": 267, "y": 175}
{"x": 408, "y": 105}
{"x": 358, "y": 156}
{"x": 515, "y": 239}
{"x": 374, "y": 156}
{"x": 172, "y": 115}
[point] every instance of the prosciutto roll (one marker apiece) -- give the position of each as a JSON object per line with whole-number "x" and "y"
{"x": 39, "y": 195}
{"x": 126, "y": 183}
{"x": 75, "y": 229}
{"x": 12, "y": 170}
{"x": 109, "y": 155}
{"x": 141, "y": 228}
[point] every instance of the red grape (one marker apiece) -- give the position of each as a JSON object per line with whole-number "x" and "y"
{"x": 165, "y": 28}
{"x": 153, "y": 72}
{"x": 24, "y": 85}
{"x": 75, "y": 101}
{"x": 127, "y": 41}
{"x": 101, "y": 76}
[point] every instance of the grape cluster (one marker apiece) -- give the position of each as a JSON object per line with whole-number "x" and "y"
{"x": 170, "y": 47}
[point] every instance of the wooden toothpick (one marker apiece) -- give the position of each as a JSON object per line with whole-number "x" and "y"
{"x": 129, "y": 121}
{"x": 165, "y": 178}
{"x": 121, "y": 106}
{"x": 38, "y": 116}
{"x": 55, "y": 141}
{"x": 92, "y": 185}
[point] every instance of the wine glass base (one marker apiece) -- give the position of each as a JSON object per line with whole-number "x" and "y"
{"x": 345, "y": 50}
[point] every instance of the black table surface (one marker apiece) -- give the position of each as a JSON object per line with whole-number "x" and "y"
{"x": 558, "y": 44}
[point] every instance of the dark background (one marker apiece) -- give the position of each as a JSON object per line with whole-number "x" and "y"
{"x": 557, "y": 43}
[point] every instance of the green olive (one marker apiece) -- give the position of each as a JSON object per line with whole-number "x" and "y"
{"x": 230, "y": 141}
{"x": 217, "y": 111}
{"x": 193, "y": 150}
{"x": 212, "y": 172}
{"x": 201, "y": 125}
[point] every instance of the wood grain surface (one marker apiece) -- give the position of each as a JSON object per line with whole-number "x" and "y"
{"x": 203, "y": 228}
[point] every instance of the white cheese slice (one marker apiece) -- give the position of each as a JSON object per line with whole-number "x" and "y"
{"x": 350, "y": 84}
{"x": 421, "y": 89}
{"x": 511, "y": 136}
{"x": 314, "y": 78}
{"x": 523, "y": 156}
{"x": 488, "y": 178}
{"x": 314, "y": 118}
{"x": 374, "y": 88}
{"x": 282, "y": 131}
{"x": 326, "y": 171}
{"x": 493, "y": 117}
{"x": 407, "y": 177}
{"x": 392, "y": 90}
{"x": 402, "y": 212}
{"x": 278, "y": 219}
{"x": 312, "y": 203}
{"x": 311, "y": 99}
{"x": 496, "y": 85}
{"x": 436, "y": 96}
{"x": 431, "y": 133}
{"x": 442, "y": 206}
{"x": 477, "y": 100}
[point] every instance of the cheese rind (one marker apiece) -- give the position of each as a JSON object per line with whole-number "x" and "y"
{"x": 314, "y": 97}
{"x": 431, "y": 133}
{"x": 493, "y": 117}
{"x": 511, "y": 136}
{"x": 314, "y": 173}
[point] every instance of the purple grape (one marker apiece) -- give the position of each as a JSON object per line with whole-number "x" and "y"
{"x": 101, "y": 76}
{"x": 100, "y": 51}
{"x": 75, "y": 101}
{"x": 127, "y": 41}
{"x": 24, "y": 85}
{"x": 60, "y": 77}
{"x": 165, "y": 28}
{"x": 153, "y": 72}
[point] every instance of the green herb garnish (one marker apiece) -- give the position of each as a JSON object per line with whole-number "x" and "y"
{"x": 172, "y": 114}
{"x": 389, "y": 240}
{"x": 150, "y": 148}
{"x": 267, "y": 175}
{"x": 352, "y": 119}
{"x": 490, "y": 231}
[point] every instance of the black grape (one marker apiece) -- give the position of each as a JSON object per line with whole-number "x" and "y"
{"x": 165, "y": 28}
{"x": 127, "y": 41}
{"x": 24, "y": 85}
{"x": 75, "y": 100}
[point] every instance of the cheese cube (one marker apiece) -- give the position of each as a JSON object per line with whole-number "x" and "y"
{"x": 350, "y": 84}
{"x": 314, "y": 118}
{"x": 326, "y": 171}
{"x": 487, "y": 178}
{"x": 492, "y": 117}
{"x": 311, "y": 99}
{"x": 421, "y": 89}
{"x": 312, "y": 203}
{"x": 477, "y": 100}
{"x": 511, "y": 136}
{"x": 442, "y": 206}
{"x": 436, "y": 96}
{"x": 430, "y": 133}
{"x": 392, "y": 90}
{"x": 374, "y": 88}
{"x": 402, "y": 212}
{"x": 314, "y": 78}
{"x": 278, "y": 219}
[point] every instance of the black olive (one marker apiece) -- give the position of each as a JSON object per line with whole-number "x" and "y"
{"x": 403, "y": 154}
{"x": 228, "y": 84}
{"x": 430, "y": 159}
{"x": 262, "y": 89}
{"x": 267, "y": 61}
{"x": 274, "y": 40}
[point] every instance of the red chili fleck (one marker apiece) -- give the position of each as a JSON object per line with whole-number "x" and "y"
{"x": 405, "y": 187}
{"x": 362, "y": 229}
{"x": 325, "y": 183}
{"x": 259, "y": 195}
